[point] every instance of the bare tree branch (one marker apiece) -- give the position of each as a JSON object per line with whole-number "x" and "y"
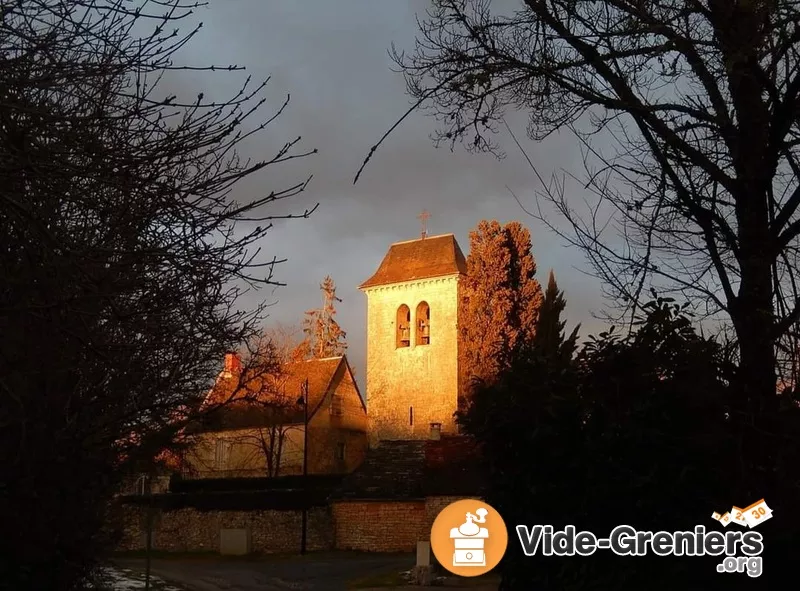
{"x": 686, "y": 111}
{"x": 123, "y": 257}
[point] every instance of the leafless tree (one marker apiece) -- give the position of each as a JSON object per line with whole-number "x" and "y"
{"x": 272, "y": 439}
{"x": 250, "y": 410}
{"x": 123, "y": 254}
{"x": 263, "y": 448}
{"x": 286, "y": 340}
{"x": 687, "y": 111}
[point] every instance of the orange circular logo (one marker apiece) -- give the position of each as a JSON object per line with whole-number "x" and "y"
{"x": 469, "y": 538}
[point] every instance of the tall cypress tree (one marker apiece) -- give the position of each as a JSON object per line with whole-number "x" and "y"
{"x": 500, "y": 301}
{"x": 549, "y": 340}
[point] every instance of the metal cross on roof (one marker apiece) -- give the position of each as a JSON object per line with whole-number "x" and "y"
{"x": 424, "y": 217}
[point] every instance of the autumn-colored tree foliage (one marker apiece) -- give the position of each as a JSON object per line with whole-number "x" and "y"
{"x": 500, "y": 301}
{"x": 324, "y": 337}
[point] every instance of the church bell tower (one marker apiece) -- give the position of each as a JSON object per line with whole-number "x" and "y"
{"x": 412, "y": 339}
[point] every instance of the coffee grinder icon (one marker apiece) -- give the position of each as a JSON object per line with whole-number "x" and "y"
{"x": 469, "y": 540}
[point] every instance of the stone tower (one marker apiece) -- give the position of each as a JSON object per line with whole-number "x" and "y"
{"x": 412, "y": 339}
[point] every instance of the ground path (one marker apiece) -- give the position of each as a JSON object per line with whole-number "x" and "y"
{"x": 314, "y": 572}
{"x": 327, "y": 571}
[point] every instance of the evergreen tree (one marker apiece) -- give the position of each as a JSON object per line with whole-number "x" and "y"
{"x": 324, "y": 337}
{"x": 629, "y": 425}
{"x": 500, "y": 301}
{"x": 549, "y": 340}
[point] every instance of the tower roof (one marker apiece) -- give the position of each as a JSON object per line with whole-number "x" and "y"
{"x": 423, "y": 258}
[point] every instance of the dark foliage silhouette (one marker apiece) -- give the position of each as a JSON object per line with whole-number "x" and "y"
{"x": 123, "y": 254}
{"x": 633, "y": 430}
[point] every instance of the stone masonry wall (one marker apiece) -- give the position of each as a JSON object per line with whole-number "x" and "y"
{"x": 433, "y": 505}
{"x": 379, "y": 526}
{"x": 370, "y": 526}
{"x": 410, "y": 387}
{"x": 190, "y": 530}
{"x": 385, "y": 526}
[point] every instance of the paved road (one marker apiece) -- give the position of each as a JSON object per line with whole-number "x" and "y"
{"x": 317, "y": 572}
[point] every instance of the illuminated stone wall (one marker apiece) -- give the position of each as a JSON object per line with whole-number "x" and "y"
{"x": 191, "y": 530}
{"x": 408, "y": 388}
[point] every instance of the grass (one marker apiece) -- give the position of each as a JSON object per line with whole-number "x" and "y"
{"x": 122, "y": 579}
{"x": 391, "y": 579}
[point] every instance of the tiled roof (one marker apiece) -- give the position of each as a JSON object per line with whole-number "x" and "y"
{"x": 415, "y": 469}
{"x": 424, "y": 258}
{"x": 271, "y": 399}
{"x": 318, "y": 372}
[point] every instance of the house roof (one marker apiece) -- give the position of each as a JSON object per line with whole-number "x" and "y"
{"x": 424, "y": 258}
{"x": 318, "y": 372}
{"x": 415, "y": 469}
{"x": 272, "y": 399}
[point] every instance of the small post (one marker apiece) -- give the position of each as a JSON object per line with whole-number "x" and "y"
{"x": 304, "y": 531}
{"x": 423, "y": 553}
{"x": 423, "y": 570}
{"x": 149, "y": 542}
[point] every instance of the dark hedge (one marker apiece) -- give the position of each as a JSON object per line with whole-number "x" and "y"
{"x": 281, "y": 500}
{"x": 310, "y": 482}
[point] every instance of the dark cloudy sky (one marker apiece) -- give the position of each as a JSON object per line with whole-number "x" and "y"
{"x": 331, "y": 57}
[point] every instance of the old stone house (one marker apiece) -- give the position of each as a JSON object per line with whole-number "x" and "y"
{"x": 260, "y": 429}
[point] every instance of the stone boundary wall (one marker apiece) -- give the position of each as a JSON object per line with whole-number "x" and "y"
{"x": 385, "y": 526}
{"x": 369, "y": 526}
{"x": 190, "y": 530}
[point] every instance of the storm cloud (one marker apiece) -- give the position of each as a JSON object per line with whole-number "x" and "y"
{"x": 331, "y": 57}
